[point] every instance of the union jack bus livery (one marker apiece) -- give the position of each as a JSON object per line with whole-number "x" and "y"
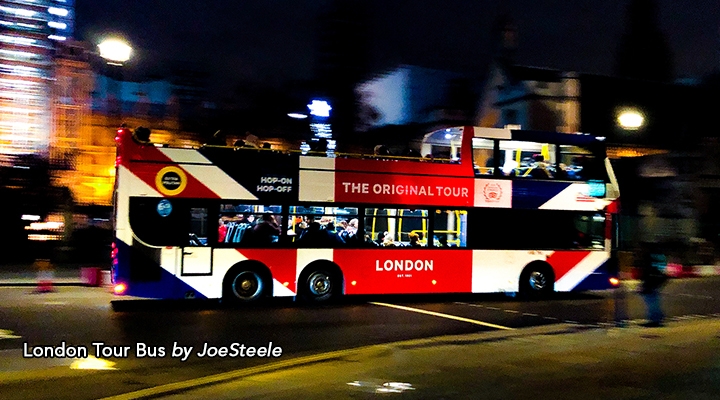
{"x": 466, "y": 210}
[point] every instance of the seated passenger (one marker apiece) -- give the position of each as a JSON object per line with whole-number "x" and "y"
{"x": 315, "y": 236}
{"x": 266, "y": 230}
{"x": 539, "y": 168}
{"x": 414, "y": 240}
{"x": 349, "y": 234}
{"x": 388, "y": 240}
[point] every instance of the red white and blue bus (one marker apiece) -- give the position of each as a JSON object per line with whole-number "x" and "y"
{"x": 479, "y": 210}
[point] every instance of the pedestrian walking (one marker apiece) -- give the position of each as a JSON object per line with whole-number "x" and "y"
{"x": 653, "y": 278}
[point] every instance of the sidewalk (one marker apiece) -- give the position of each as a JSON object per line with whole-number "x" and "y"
{"x": 26, "y": 275}
{"x": 678, "y": 361}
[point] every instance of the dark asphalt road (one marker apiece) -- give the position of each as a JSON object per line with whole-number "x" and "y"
{"x": 81, "y": 316}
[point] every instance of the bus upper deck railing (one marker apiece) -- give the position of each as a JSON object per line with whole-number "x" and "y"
{"x": 313, "y": 153}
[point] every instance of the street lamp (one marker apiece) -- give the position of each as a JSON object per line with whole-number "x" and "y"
{"x": 630, "y": 119}
{"x": 115, "y": 51}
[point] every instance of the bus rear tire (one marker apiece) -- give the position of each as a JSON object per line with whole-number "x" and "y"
{"x": 537, "y": 281}
{"x": 245, "y": 284}
{"x": 322, "y": 283}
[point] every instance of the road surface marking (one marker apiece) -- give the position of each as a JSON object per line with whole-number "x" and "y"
{"x": 441, "y": 315}
{"x": 697, "y": 296}
{"x": 512, "y": 311}
{"x": 6, "y": 334}
{"x": 527, "y": 314}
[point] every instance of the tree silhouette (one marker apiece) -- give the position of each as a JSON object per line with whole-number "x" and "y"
{"x": 643, "y": 51}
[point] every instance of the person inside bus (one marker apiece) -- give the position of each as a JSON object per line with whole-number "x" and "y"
{"x": 266, "y": 230}
{"x": 414, "y": 240}
{"x": 539, "y": 168}
{"x": 387, "y": 239}
{"x": 315, "y": 236}
{"x": 222, "y": 230}
{"x": 350, "y": 234}
{"x": 381, "y": 150}
{"x": 330, "y": 227}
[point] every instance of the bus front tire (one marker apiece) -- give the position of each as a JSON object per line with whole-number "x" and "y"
{"x": 537, "y": 281}
{"x": 245, "y": 285}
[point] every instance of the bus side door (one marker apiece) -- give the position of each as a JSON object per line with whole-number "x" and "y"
{"x": 197, "y": 252}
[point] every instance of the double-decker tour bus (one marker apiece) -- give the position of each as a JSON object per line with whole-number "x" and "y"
{"x": 478, "y": 210}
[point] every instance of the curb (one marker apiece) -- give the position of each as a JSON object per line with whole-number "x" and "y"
{"x": 677, "y": 271}
{"x": 692, "y": 271}
{"x": 34, "y": 284}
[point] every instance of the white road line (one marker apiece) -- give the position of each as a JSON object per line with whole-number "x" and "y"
{"x": 512, "y": 311}
{"x": 470, "y": 304}
{"x": 696, "y": 296}
{"x": 6, "y": 334}
{"x": 527, "y": 314}
{"x": 441, "y": 315}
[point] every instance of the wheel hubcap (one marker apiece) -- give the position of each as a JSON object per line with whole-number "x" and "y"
{"x": 320, "y": 284}
{"x": 247, "y": 285}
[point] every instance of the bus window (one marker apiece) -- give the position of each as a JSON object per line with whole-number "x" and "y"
{"x": 536, "y": 229}
{"x": 442, "y": 146}
{"x": 318, "y": 226}
{"x": 483, "y": 160}
{"x": 392, "y": 227}
{"x": 198, "y": 227}
{"x": 528, "y": 159}
{"x": 159, "y": 222}
{"x": 579, "y": 163}
{"x": 590, "y": 231}
{"x": 249, "y": 224}
{"x": 450, "y": 228}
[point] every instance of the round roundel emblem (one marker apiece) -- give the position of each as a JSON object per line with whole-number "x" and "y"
{"x": 171, "y": 181}
{"x": 164, "y": 208}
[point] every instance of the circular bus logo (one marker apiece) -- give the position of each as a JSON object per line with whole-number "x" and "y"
{"x": 171, "y": 181}
{"x": 164, "y": 208}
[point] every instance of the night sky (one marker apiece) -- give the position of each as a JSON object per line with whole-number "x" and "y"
{"x": 273, "y": 41}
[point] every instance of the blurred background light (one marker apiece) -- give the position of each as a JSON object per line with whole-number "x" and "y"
{"x": 630, "y": 119}
{"x": 115, "y": 50}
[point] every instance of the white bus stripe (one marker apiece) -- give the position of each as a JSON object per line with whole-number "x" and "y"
{"x": 441, "y": 315}
{"x": 184, "y": 156}
{"x": 219, "y": 182}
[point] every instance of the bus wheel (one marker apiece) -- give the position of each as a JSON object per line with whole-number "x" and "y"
{"x": 320, "y": 285}
{"x": 244, "y": 285}
{"x": 537, "y": 281}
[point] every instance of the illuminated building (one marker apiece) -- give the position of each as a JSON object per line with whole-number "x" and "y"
{"x": 31, "y": 30}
